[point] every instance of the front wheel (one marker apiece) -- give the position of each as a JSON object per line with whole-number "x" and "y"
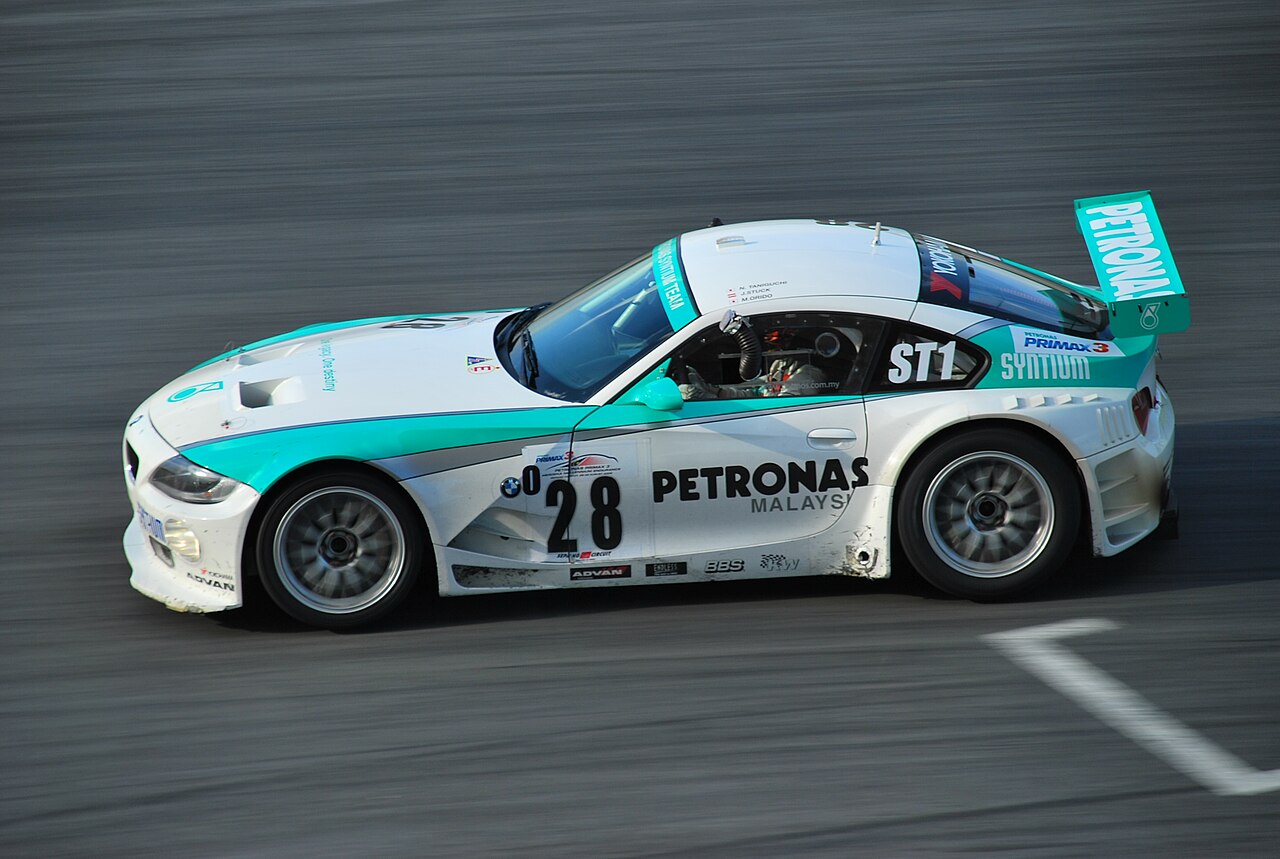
{"x": 989, "y": 513}
{"x": 340, "y": 549}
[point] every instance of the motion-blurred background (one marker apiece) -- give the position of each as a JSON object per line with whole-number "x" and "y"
{"x": 177, "y": 176}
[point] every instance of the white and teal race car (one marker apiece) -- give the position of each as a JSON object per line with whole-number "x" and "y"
{"x": 780, "y": 398}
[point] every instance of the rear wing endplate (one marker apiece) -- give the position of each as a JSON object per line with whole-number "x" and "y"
{"x": 1135, "y": 268}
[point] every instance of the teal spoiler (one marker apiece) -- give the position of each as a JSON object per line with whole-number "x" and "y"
{"x": 1135, "y": 268}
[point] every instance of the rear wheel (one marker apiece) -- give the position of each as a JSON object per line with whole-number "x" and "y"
{"x": 989, "y": 513}
{"x": 339, "y": 549}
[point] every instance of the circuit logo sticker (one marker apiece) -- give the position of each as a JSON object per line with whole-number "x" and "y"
{"x": 589, "y": 464}
{"x": 1029, "y": 341}
{"x": 580, "y": 465}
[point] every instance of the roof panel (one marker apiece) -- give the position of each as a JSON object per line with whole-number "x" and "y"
{"x": 737, "y": 263}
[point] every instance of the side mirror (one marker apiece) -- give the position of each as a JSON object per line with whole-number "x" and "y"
{"x": 661, "y": 395}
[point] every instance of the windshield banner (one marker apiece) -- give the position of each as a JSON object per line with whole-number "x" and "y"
{"x": 669, "y": 274}
{"x": 944, "y": 279}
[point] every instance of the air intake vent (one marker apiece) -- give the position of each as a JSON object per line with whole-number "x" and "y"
{"x": 1114, "y": 424}
{"x": 130, "y": 461}
{"x": 270, "y": 392}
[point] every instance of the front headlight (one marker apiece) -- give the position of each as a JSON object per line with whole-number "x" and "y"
{"x": 182, "y": 479}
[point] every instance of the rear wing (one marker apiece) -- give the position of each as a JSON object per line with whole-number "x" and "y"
{"x": 1135, "y": 268}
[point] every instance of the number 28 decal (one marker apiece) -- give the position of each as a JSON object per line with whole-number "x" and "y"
{"x": 911, "y": 362}
{"x": 606, "y": 518}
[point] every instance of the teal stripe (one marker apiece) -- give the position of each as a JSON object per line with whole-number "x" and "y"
{"x": 1068, "y": 369}
{"x": 677, "y": 300}
{"x": 323, "y": 327}
{"x": 306, "y": 331}
{"x": 261, "y": 459}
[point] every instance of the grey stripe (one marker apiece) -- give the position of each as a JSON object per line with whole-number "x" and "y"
{"x": 373, "y": 419}
{"x": 434, "y": 461}
{"x": 609, "y": 432}
{"x": 981, "y": 328}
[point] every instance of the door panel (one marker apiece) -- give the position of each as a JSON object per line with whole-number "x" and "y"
{"x": 766, "y": 446}
{"x": 722, "y": 475}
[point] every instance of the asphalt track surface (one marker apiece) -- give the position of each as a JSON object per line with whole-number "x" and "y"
{"x": 176, "y": 176}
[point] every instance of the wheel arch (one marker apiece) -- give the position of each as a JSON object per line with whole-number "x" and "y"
{"x": 922, "y": 446}
{"x": 316, "y": 467}
{"x": 1038, "y": 431}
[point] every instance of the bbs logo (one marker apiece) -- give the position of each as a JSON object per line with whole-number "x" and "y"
{"x": 735, "y": 566}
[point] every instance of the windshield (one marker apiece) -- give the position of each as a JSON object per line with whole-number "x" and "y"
{"x": 571, "y": 349}
{"x": 961, "y": 277}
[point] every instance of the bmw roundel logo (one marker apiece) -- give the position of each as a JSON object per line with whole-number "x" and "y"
{"x": 511, "y": 487}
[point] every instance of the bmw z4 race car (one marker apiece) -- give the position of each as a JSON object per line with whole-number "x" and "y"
{"x": 780, "y": 398}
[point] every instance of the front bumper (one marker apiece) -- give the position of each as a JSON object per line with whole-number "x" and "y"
{"x": 210, "y": 582}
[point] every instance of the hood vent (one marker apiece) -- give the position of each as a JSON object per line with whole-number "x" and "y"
{"x": 270, "y": 392}
{"x": 270, "y": 353}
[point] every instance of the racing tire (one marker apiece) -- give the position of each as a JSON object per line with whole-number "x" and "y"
{"x": 339, "y": 549}
{"x": 989, "y": 513}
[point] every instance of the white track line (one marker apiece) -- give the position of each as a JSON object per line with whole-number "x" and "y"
{"x": 1035, "y": 649}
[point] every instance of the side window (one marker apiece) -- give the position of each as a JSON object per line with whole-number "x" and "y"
{"x": 801, "y": 355}
{"x": 920, "y": 358}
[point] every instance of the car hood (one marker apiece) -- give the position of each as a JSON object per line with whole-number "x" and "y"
{"x": 346, "y": 372}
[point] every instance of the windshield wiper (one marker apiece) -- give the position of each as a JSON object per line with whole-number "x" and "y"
{"x": 522, "y": 319}
{"x": 530, "y": 362}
